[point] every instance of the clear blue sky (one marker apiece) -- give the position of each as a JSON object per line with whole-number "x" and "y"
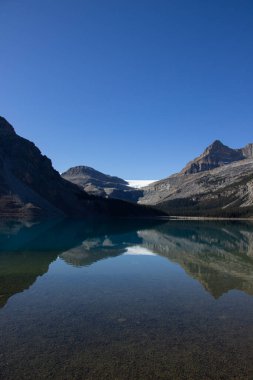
{"x": 134, "y": 88}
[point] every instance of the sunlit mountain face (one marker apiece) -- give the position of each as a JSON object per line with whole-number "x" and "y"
{"x": 178, "y": 294}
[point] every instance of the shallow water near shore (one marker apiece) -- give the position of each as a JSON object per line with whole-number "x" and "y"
{"x": 129, "y": 300}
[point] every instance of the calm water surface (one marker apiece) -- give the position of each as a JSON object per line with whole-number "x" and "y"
{"x": 126, "y": 300}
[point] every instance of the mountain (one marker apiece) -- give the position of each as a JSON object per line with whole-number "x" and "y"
{"x": 30, "y": 187}
{"x": 96, "y": 183}
{"x": 214, "y": 156}
{"x": 217, "y": 183}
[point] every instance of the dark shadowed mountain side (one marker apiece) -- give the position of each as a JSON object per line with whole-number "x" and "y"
{"x": 100, "y": 184}
{"x": 19, "y": 270}
{"x": 31, "y": 249}
{"x": 218, "y": 183}
{"x": 218, "y": 255}
{"x": 30, "y": 187}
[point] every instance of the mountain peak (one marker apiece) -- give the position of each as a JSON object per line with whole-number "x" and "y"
{"x": 81, "y": 169}
{"x": 86, "y": 173}
{"x": 216, "y": 144}
{"x": 98, "y": 183}
{"x": 5, "y": 127}
{"x": 215, "y": 155}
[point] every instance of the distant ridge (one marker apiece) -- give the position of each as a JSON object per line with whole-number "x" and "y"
{"x": 104, "y": 185}
{"x": 82, "y": 173}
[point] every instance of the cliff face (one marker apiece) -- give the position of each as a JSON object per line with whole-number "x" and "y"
{"x": 247, "y": 151}
{"x": 30, "y": 187}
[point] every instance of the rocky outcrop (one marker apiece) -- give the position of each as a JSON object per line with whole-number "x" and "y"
{"x": 247, "y": 151}
{"x": 96, "y": 183}
{"x": 30, "y": 187}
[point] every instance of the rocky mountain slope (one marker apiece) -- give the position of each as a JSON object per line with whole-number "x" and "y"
{"x": 103, "y": 185}
{"x": 217, "y": 154}
{"x": 30, "y": 187}
{"x": 217, "y": 183}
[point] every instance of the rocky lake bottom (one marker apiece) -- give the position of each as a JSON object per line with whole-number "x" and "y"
{"x": 126, "y": 300}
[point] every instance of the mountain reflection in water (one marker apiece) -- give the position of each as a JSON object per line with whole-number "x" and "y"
{"x": 127, "y": 300}
{"x": 26, "y": 251}
{"x": 218, "y": 254}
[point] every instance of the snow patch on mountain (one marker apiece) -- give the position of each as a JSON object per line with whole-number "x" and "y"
{"x": 139, "y": 183}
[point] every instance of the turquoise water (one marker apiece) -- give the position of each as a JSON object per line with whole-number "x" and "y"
{"x": 126, "y": 300}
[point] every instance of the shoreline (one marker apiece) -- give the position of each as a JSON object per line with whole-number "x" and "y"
{"x": 206, "y": 218}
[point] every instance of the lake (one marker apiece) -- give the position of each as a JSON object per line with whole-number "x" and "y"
{"x": 126, "y": 300}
